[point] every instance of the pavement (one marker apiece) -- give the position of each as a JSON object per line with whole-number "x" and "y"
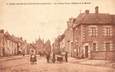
{"x": 104, "y": 63}
{"x": 11, "y": 58}
{"x": 22, "y": 64}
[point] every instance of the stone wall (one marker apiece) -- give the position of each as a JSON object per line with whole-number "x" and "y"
{"x": 103, "y": 55}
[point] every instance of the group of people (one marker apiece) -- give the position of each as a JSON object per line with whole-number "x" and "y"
{"x": 53, "y": 58}
{"x": 49, "y": 58}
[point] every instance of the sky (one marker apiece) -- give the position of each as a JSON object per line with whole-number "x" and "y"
{"x": 45, "y": 21}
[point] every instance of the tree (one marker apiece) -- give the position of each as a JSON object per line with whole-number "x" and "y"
{"x": 48, "y": 47}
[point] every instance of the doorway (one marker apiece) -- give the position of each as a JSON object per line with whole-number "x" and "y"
{"x": 86, "y": 51}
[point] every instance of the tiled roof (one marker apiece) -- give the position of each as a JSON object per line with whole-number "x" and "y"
{"x": 12, "y": 38}
{"x": 93, "y": 18}
{"x": 113, "y": 19}
{"x": 62, "y": 37}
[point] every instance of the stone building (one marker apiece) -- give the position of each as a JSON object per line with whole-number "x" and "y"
{"x": 9, "y": 44}
{"x": 93, "y": 35}
{"x": 66, "y": 39}
{"x": 23, "y": 48}
{"x": 62, "y": 43}
{"x": 56, "y": 46}
{"x": 1, "y": 42}
{"x": 69, "y": 37}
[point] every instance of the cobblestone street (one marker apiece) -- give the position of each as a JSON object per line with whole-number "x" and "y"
{"x": 22, "y": 65}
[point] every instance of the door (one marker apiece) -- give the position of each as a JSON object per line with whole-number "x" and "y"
{"x": 86, "y": 51}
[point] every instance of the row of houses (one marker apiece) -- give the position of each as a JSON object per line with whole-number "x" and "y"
{"x": 90, "y": 35}
{"x": 11, "y": 45}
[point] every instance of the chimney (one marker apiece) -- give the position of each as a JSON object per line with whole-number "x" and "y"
{"x": 87, "y": 11}
{"x": 96, "y": 9}
{"x": 1, "y": 31}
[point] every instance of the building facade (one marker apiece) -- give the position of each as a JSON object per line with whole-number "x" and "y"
{"x": 1, "y": 42}
{"x": 56, "y": 46}
{"x": 94, "y": 35}
{"x": 9, "y": 44}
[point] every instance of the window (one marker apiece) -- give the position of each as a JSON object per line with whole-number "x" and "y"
{"x": 108, "y": 46}
{"x": 107, "y": 31}
{"x": 93, "y": 30}
{"x": 94, "y": 46}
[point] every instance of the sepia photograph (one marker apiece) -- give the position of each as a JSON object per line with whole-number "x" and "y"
{"x": 57, "y": 35}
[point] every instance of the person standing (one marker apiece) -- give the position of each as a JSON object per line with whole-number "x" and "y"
{"x": 53, "y": 60}
{"x": 66, "y": 56}
{"x": 48, "y": 50}
{"x": 48, "y": 57}
{"x": 33, "y": 57}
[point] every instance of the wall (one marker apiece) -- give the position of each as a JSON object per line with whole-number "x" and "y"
{"x": 102, "y": 55}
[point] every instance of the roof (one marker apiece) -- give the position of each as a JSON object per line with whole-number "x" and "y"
{"x": 93, "y": 18}
{"x": 113, "y": 19}
{"x": 61, "y": 37}
{"x": 12, "y": 37}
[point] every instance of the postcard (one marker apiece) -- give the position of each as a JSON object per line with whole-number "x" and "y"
{"x": 57, "y": 36}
